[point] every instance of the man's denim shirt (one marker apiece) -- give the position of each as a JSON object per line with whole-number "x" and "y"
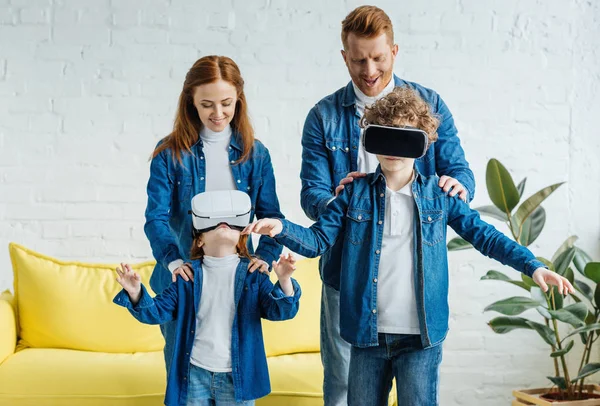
{"x": 170, "y": 190}
{"x": 329, "y": 152}
{"x": 355, "y": 220}
{"x": 255, "y": 298}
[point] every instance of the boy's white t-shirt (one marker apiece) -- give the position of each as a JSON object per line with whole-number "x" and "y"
{"x": 396, "y": 299}
{"x": 214, "y": 320}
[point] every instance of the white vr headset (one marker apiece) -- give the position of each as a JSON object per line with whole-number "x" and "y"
{"x": 403, "y": 142}
{"x": 211, "y": 209}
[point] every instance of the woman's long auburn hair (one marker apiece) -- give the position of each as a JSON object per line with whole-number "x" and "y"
{"x": 241, "y": 248}
{"x": 187, "y": 126}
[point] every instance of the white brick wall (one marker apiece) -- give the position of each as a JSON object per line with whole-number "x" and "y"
{"x": 88, "y": 87}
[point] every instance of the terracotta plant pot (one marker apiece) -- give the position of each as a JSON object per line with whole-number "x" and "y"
{"x": 528, "y": 397}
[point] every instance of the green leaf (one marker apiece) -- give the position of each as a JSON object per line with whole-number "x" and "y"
{"x": 558, "y": 298}
{"x": 500, "y": 186}
{"x": 521, "y": 187}
{"x": 547, "y": 262}
{"x": 503, "y": 325}
{"x": 533, "y": 202}
{"x": 492, "y": 211}
{"x": 564, "y": 351}
{"x": 499, "y": 276}
{"x": 513, "y": 305}
{"x": 574, "y": 314}
{"x": 568, "y": 243}
{"x": 558, "y": 381}
{"x": 584, "y": 289}
{"x": 592, "y": 271}
{"x": 597, "y": 295}
{"x": 580, "y": 260}
{"x": 564, "y": 260}
{"x": 587, "y": 370}
{"x": 528, "y": 281}
{"x": 532, "y": 228}
{"x": 458, "y": 244}
{"x": 584, "y": 329}
{"x": 570, "y": 275}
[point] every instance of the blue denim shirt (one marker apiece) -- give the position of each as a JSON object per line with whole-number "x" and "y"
{"x": 355, "y": 220}
{"x": 330, "y": 151}
{"x": 255, "y": 298}
{"x": 170, "y": 190}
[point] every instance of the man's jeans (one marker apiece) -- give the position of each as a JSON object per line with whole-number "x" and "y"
{"x": 335, "y": 352}
{"x": 208, "y": 388}
{"x": 397, "y": 356}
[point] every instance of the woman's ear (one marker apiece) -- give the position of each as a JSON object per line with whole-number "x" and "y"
{"x": 199, "y": 243}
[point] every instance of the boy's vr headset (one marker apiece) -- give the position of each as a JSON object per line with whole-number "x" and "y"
{"x": 403, "y": 142}
{"x": 211, "y": 209}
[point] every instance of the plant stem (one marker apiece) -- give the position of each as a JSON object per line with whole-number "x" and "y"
{"x": 588, "y": 349}
{"x": 562, "y": 357}
{"x": 556, "y": 371}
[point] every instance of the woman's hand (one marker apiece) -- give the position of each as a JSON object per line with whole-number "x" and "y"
{"x": 544, "y": 277}
{"x": 270, "y": 227}
{"x": 284, "y": 270}
{"x": 130, "y": 281}
{"x": 185, "y": 271}
{"x": 259, "y": 264}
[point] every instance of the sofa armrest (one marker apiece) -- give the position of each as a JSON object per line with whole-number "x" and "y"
{"x": 8, "y": 326}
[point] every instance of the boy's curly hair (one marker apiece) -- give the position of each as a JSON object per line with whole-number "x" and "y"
{"x": 402, "y": 107}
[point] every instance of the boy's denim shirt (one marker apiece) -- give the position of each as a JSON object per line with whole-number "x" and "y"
{"x": 329, "y": 152}
{"x": 170, "y": 190}
{"x": 255, "y": 298}
{"x": 355, "y": 220}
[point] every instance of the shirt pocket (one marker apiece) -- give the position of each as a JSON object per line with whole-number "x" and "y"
{"x": 357, "y": 225}
{"x": 339, "y": 153}
{"x": 432, "y": 226}
{"x": 249, "y": 300}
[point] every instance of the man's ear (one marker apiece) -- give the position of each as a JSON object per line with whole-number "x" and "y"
{"x": 343, "y": 55}
{"x": 395, "y": 50}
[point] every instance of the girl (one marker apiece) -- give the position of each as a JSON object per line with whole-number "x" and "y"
{"x": 211, "y": 147}
{"x": 218, "y": 351}
{"x": 394, "y": 274}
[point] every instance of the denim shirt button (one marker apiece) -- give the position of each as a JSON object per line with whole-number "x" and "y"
{"x": 239, "y": 181}
{"x": 381, "y": 195}
{"x": 377, "y": 252}
{"x": 248, "y": 188}
{"x": 201, "y": 157}
{"x": 374, "y": 280}
{"x": 359, "y": 217}
{"x": 232, "y": 161}
{"x": 380, "y": 222}
{"x": 374, "y": 311}
{"x": 428, "y": 218}
{"x": 347, "y": 149}
{"x": 202, "y": 178}
{"x": 333, "y": 148}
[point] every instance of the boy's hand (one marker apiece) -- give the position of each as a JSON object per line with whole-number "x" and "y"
{"x": 130, "y": 281}
{"x": 270, "y": 227}
{"x": 544, "y": 277}
{"x": 284, "y": 270}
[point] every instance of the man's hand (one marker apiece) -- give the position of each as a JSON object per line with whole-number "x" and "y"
{"x": 258, "y": 264}
{"x": 348, "y": 179}
{"x": 185, "y": 271}
{"x": 453, "y": 186}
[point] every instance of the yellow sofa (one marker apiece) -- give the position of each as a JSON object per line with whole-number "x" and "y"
{"x": 63, "y": 342}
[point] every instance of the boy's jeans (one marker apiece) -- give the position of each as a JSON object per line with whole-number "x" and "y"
{"x": 397, "y": 356}
{"x": 206, "y": 388}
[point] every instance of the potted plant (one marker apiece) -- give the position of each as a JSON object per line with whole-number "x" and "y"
{"x": 525, "y": 223}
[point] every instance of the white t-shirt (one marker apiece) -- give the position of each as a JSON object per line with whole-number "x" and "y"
{"x": 368, "y": 162}
{"x": 396, "y": 300}
{"x": 214, "y": 320}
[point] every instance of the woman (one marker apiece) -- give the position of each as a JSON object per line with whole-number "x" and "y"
{"x": 211, "y": 147}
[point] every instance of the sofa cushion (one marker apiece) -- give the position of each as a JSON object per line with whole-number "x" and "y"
{"x": 301, "y": 334}
{"x": 69, "y": 305}
{"x": 37, "y": 376}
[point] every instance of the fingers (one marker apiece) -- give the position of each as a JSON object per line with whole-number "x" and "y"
{"x": 338, "y": 190}
{"x": 443, "y": 180}
{"x": 174, "y": 276}
{"x": 456, "y": 189}
{"x": 253, "y": 265}
{"x": 540, "y": 281}
{"x": 249, "y": 229}
{"x": 450, "y": 182}
{"x": 569, "y": 286}
{"x": 356, "y": 174}
{"x": 264, "y": 268}
{"x": 179, "y": 271}
{"x": 188, "y": 271}
{"x": 463, "y": 194}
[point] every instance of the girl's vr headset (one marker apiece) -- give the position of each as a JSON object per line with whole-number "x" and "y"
{"x": 211, "y": 209}
{"x": 403, "y": 142}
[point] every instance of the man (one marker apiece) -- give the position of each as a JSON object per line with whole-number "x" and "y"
{"x": 333, "y": 155}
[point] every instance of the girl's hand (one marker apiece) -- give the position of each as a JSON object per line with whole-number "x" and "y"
{"x": 259, "y": 264}
{"x": 270, "y": 227}
{"x": 130, "y": 281}
{"x": 284, "y": 270}
{"x": 544, "y": 277}
{"x": 185, "y": 271}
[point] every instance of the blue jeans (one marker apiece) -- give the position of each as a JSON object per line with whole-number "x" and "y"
{"x": 335, "y": 352}
{"x": 397, "y": 356}
{"x": 207, "y": 388}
